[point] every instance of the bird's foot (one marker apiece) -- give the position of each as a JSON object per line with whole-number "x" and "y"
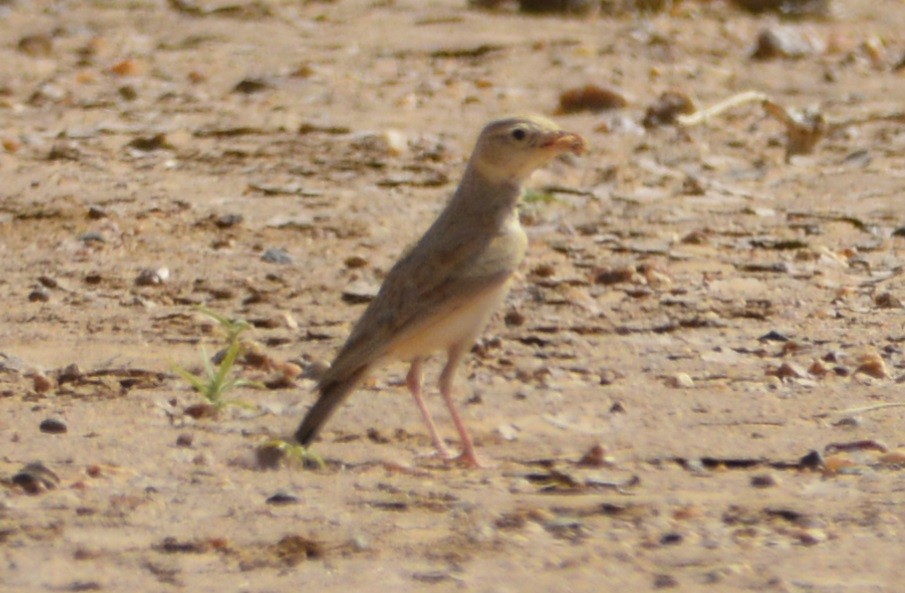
{"x": 471, "y": 460}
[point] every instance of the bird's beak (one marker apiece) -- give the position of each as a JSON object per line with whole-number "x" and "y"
{"x": 566, "y": 142}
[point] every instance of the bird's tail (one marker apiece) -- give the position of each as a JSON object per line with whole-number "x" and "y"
{"x": 333, "y": 392}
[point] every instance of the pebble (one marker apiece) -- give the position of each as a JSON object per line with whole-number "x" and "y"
{"x": 665, "y": 581}
{"x": 355, "y": 261}
{"x": 282, "y": 498}
{"x": 72, "y": 372}
{"x": 97, "y": 213}
{"x": 54, "y": 426}
{"x": 360, "y": 292}
{"x": 785, "y": 42}
{"x": 276, "y": 255}
{"x": 681, "y": 380}
{"x": 591, "y": 98}
{"x": 41, "y": 383}
{"x": 872, "y": 365}
{"x": 787, "y": 370}
{"x": 764, "y": 481}
{"x": 36, "y": 478}
{"x": 596, "y": 456}
{"x": 667, "y": 109}
{"x": 225, "y": 221}
{"x": 39, "y": 295}
{"x": 152, "y": 277}
{"x": 92, "y": 237}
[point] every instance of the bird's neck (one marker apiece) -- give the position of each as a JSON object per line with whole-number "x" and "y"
{"x": 485, "y": 198}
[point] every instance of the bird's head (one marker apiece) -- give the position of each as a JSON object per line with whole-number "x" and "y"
{"x": 510, "y": 150}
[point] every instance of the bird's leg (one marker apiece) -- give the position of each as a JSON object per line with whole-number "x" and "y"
{"x": 468, "y": 457}
{"x": 413, "y": 381}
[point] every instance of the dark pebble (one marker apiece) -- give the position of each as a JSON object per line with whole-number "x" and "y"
{"x": 39, "y": 295}
{"x": 283, "y": 498}
{"x": 53, "y": 426}
{"x": 773, "y": 336}
{"x": 224, "y": 221}
{"x": 665, "y": 581}
{"x": 35, "y": 478}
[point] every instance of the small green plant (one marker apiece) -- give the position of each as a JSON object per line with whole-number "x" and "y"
{"x": 295, "y": 452}
{"x": 536, "y": 196}
{"x": 216, "y": 381}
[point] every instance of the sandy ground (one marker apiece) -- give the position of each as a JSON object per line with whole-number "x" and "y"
{"x": 724, "y": 322}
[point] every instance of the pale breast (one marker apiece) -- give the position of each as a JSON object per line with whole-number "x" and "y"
{"x": 450, "y": 328}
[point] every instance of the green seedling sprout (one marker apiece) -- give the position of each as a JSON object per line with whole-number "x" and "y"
{"x": 215, "y": 382}
{"x": 296, "y": 452}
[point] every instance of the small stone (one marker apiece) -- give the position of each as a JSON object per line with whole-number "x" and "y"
{"x": 270, "y": 455}
{"x": 667, "y": 109}
{"x": 591, "y": 98}
{"x": 596, "y": 457}
{"x": 41, "y": 383}
{"x": 681, "y": 380}
{"x": 92, "y": 237}
{"x": 764, "y": 481}
{"x": 127, "y": 92}
{"x": 665, "y": 581}
{"x": 818, "y": 369}
{"x": 872, "y": 365}
{"x": 72, "y": 372}
{"x": 608, "y": 376}
{"x": 185, "y": 440}
{"x": 96, "y": 213}
{"x": 813, "y": 460}
{"x": 225, "y": 221}
{"x": 353, "y": 262}
{"x": 886, "y": 300}
{"x": 36, "y": 478}
{"x": 507, "y": 432}
{"x": 787, "y": 370}
{"x": 396, "y": 142}
{"x": 249, "y": 86}
{"x": 773, "y": 336}
{"x": 671, "y": 539}
{"x": 514, "y": 318}
{"x": 282, "y": 499}
{"x": 201, "y": 410}
{"x": 152, "y": 277}
{"x": 39, "y": 45}
{"x": 48, "y": 282}
{"x": 276, "y": 255}
{"x": 39, "y": 295}
{"x": 54, "y": 426}
{"x": 360, "y": 292}
{"x": 609, "y": 276}
{"x": 848, "y": 421}
{"x": 785, "y": 42}
{"x": 127, "y": 67}
{"x": 812, "y": 537}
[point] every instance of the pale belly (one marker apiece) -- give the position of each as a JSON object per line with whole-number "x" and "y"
{"x": 442, "y": 332}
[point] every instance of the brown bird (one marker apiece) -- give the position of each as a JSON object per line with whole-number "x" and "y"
{"x": 442, "y": 292}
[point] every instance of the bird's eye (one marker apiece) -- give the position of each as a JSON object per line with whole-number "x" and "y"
{"x": 519, "y": 134}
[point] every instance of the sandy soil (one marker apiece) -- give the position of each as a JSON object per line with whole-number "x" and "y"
{"x": 726, "y": 323}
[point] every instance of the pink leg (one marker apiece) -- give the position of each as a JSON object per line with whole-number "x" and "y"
{"x": 468, "y": 457}
{"x": 413, "y": 381}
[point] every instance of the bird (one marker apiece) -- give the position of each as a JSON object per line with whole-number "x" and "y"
{"x": 441, "y": 293}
